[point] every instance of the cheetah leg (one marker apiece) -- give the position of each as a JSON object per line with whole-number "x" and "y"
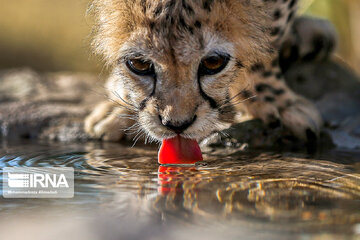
{"x": 275, "y": 103}
{"x": 108, "y": 122}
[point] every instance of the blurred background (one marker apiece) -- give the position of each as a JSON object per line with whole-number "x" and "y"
{"x": 49, "y": 35}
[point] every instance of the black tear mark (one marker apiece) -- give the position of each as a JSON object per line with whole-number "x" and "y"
{"x": 212, "y": 102}
{"x": 143, "y": 103}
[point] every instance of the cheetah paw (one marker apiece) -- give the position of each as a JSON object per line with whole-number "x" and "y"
{"x": 106, "y": 123}
{"x": 302, "y": 120}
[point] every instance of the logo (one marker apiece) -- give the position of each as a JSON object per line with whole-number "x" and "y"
{"x": 30, "y": 182}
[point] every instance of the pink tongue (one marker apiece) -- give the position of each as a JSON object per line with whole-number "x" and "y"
{"x": 179, "y": 150}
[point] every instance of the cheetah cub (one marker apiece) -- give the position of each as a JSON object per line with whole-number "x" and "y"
{"x": 188, "y": 67}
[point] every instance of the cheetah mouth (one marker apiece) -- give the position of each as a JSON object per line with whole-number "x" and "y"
{"x": 179, "y": 150}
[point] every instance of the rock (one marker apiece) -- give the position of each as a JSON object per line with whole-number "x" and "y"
{"x": 336, "y": 93}
{"x": 48, "y": 106}
{"x": 316, "y": 80}
{"x": 65, "y": 130}
{"x": 19, "y": 84}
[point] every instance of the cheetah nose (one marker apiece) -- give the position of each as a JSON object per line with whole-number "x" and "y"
{"x": 178, "y": 127}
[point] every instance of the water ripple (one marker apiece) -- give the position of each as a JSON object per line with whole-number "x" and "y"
{"x": 313, "y": 191}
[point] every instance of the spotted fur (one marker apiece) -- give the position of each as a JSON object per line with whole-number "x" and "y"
{"x": 176, "y": 35}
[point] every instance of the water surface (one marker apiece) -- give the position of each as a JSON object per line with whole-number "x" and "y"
{"x": 122, "y": 193}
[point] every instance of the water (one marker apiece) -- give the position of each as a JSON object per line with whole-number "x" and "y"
{"x": 122, "y": 193}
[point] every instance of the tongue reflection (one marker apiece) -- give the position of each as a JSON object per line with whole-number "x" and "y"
{"x": 179, "y": 150}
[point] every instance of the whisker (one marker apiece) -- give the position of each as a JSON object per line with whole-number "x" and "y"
{"x": 131, "y": 117}
{"x": 131, "y": 127}
{"x": 129, "y": 108}
{"x": 238, "y": 102}
{"x": 236, "y": 95}
{"x": 126, "y": 102}
{"x": 243, "y": 100}
{"x": 140, "y": 134}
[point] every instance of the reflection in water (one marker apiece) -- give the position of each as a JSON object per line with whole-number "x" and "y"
{"x": 265, "y": 191}
{"x": 265, "y": 187}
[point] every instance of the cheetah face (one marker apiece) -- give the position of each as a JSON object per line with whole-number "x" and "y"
{"x": 176, "y": 62}
{"x": 182, "y": 93}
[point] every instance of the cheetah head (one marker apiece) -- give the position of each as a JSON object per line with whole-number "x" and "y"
{"x": 179, "y": 65}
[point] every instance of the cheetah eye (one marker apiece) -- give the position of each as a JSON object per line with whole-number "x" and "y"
{"x": 140, "y": 67}
{"x": 213, "y": 65}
